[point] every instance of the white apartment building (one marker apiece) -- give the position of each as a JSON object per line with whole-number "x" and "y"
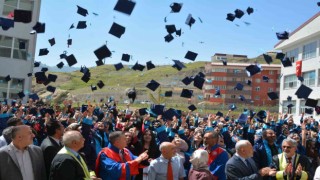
{"x": 303, "y": 44}
{"x": 15, "y": 61}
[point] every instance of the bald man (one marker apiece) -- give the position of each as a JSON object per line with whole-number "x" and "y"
{"x": 159, "y": 168}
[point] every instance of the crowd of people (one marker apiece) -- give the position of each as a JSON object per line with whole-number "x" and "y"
{"x": 101, "y": 141}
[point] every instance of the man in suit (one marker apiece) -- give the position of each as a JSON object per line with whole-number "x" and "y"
{"x": 68, "y": 164}
{"x": 20, "y": 159}
{"x": 51, "y": 145}
{"x": 241, "y": 165}
{"x": 291, "y": 165}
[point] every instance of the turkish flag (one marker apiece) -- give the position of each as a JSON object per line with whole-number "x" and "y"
{"x": 299, "y": 68}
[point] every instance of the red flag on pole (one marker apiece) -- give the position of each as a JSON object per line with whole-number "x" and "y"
{"x": 299, "y": 68}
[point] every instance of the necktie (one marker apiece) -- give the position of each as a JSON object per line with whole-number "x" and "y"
{"x": 121, "y": 153}
{"x": 291, "y": 175}
{"x": 249, "y": 165}
{"x": 169, "y": 171}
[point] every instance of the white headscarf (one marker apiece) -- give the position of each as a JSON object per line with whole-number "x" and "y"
{"x": 199, "y": 159}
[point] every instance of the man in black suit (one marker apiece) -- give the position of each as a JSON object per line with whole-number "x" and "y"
{"x": 52, "y": 144}
{"x": 242, "y": 166}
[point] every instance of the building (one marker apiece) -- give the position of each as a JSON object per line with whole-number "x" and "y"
{"x": 17, "y": 61}
{"x": 226, "y": 57}
{"x": 303, "y": 44}
{"x": 227, "y": 77}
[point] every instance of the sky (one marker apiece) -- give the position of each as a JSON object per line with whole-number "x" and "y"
{"x": 143, "y": 39}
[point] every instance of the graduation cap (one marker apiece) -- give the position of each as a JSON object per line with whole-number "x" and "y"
{"x": 198, "y": 82}
{"x": 71, "y": 60}
{"x": 102, "y": 52}
{"x": 248, "y": 82}
{"x": 51, "y": 89}
{"x": 29, "y": 74}
{"x": 217, "y": 93}
{"x": 191, "y": 55}
{"x": 187, "y": 80}
{"x": 178, "y": 32}
{"x": 289, "y": 98}
{"x": 6, "y": 23}
{"x": 157, "y": 109}
{"x": 7, "y": 78}
{"x": 82, "y": 25}
{"x": 318, "y": 3}
{"x": 280, "y": 55}
{"x": 132, "y": 94}
{"x": 252, "y": 70}
{"x": 238, "y": 13}
{"x": 93, "y": 88}
{"x": 63, "y": 56}
{"x": 85, "y": 78}
{"x": 100, "y": 84}
{"x": 118, "y": 66}
{"x": 72, "y": 26}
{"x": 82, "y": 11}
{"x": 23, "y": 16}
{"x": 265, "y": 78}
{"x": 303, "y": 91}
{"x": 40, "y": 77}
{"x": 311, "y": 102}
{"x": 261, "y": 115}
{"x": 239, "y": 87}
{"x": 39, "y": 27}
{"x": 186, "y": 93}
{"x": 286, "y": 62}
{"x": 308, "y": 110}
{"x": 273, "y": 95}
{"x": 69, "y": 42}
{"x": 242, "y": 98}
{"x": 220, "y": 114}
{"x": 300, "y": 78}
{"x": 178, "y": 65}
{"x": 171, "y": 28}
{"x": 249, "y": 10}
{"x": 143, "y": 111}
{"x": 282, "y": 35}
{"x": 44, "y": 69}
{"x": 34, "y": 96}
{"x": 176, "y": 7}
{"x": 230, "y": 17}
{"x": 150, "y": 65}
{"x": 99, "y": 63}
{"x": 153, "y": 85}
{"x": 168, "y": 38}
{"x": 117, "y": 30}
{"x": 52, "y": 41}
{"x": 21, "y": 95}
{"x": 125, "y": 57}
{"x": 317, "y": 109}
{"x": 190, "y": 20}
{"x": 125, "y": 6}
{"x": 52, "y": 77}
{"x": 168, "y": 94}
{"x": 232, "y": 107}
{"x": 192, "y": 107}
{"x": 201, "y": 74}
{"x": 224, "y": 62}
{"x": 267, "y": 58}
{"x": 43, "y": 52}
{"x": 138, "y": 66}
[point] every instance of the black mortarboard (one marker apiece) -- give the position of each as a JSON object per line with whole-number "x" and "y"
{"x": 289, "y": 98}
{"x": 303, "y": 91}
{"x": 85, "y": 78}
{"x": 8, "y": 78}
{"x": 21, "y": 95}
{"x": 71, "y": 60}
{"x": 261, "y": 114}
{"x": 6, "y": 23}
{"x": 69, "y": 42}
{"x": 60, "y": 65}
{"x": 242, "y": 98}
{"x": 132, "y": 94}
{"x": 117, "y": 30}
{"x": 39, "y": 27}
{"x": 153, "y": 85}
{"x": 99, "y": 63}
{"x": 249, "y": 10}
{"x": 118, "y": 66}
{"x": 36, "y": 64}
{"x": 176, "y": 7}
{"x": 265, "y": 78}
{"x": 23, "y": 16}
{"x": 282, "y": 35}
{"x": 51, "y": 89}
{"x": 43, "y": 52}
{"x": 52, "y": 41}
{"x": 232, "y": 107}
{"x": 186, "y": 93}
{"x": 170, "y": 113}
{"x": 168, "y": 94}
{"x": 40, "y": 77}
{"x": 29, "y": 74}
{"x": 318, "y": 3}
{"x": 125, "y": 6}
{"x": 253, "y": 69}
{"x": 217, "y": 93}
{"x": 125, "y": 57}
{"x": 308, "y": 110}
{"x": 82, "y": 11}
{"x": 191, "y": 55}
{"x": 273, "y": 95}
{"x": 267, "y": 58}
{"x": 311, "y": 102}
{"x": 230, "y": 17}
{"x": 138, "y": 66}
{"x": 82, "y": 25}
{"x": 100, "y": 84}
{"x": 178, "y": 65}
{"x": 238, "y": 13}
{"x": 317, "y": 109}
{"x": 143, "y": 111}
{"x": 72, "y": 26}
{"x": 300, "y": 78}
{"x": 192, "y": 107}
{"x": 102, "y": 52}
{"x": 93, "y": 88}
{"x": 150, "y": 65}
{"x": 178, "y": 32}
{"x": 190, "y": 20}
{"x": 239, "y": 87}
{"x": 286, "y": 62}
{"x": 52, "y": 77}
{"x": 168, "y": 38}
{"x": 198, "y": 82}
{"x": 248, "y": 82}
{"x": 22, "y": 45}
{"x": 171, "y": 28}
{"x": 220, "y": 114}
{"x": 201, "y": 74}
{"x": 280, "y": 55}
{"x": 44, "y": 69}
{"x": 224, "y": 62}
{"x": 63, "y": 56}
{"x": 187, "y": 80}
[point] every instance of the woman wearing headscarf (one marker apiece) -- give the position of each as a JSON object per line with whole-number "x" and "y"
{"x": 200, "y": 169}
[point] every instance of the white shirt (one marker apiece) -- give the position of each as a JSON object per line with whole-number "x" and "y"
{"x": 25, "y": 163}
{"x": 317, "y": 174}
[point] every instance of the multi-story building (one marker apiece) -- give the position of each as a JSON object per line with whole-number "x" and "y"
{"x": 303, "y": 44}
{"x": 226, "y": 57}
{"x": 226, "y": 78}
{"x": 14, "y": 60}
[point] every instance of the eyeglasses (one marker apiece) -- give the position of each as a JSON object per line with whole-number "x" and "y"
{"x": 286, "y": 147}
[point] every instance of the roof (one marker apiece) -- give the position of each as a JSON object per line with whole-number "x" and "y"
{"x": 247, "y": 64}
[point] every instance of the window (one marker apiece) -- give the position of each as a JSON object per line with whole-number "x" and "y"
{"x": 219, "y": 70}
{"x": 11, "y": 47}
{"x": 258, "y": 80}
{"x": 233, "y": 96}
{"x": 285, "y": 108}
{"x": 16, "y": 86}
{"x": 10, "y": 5}
{"x": 290, "y": 81}
{"x": 271, "y": 72}
{"x": 309, "y": 50}
{"x": 217, "y": 78}
{"x": 234, "y": 79}
{"x": 293, "y": 55}
{"x": 309, "y": 78}
{"x": 257, "y": 97}
{"x": 222, "y": 58}
{"x": 258, "y": 88}
{"x": 270, "y": 89}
